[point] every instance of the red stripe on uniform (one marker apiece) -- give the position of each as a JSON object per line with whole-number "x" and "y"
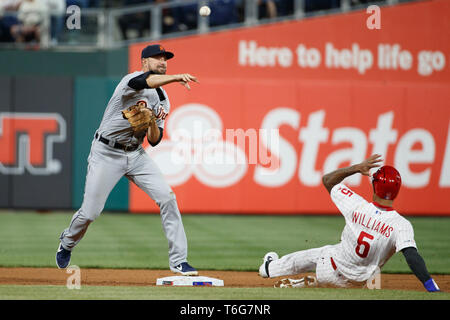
{"x": 333, "y": 264}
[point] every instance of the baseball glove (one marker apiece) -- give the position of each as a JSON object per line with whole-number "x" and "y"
{"x": 139, "y": 117}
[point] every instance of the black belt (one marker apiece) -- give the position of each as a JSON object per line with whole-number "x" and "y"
{"x": 116, "y": 144}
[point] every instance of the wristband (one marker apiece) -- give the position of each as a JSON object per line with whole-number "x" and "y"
{"x": 431, "y": 286}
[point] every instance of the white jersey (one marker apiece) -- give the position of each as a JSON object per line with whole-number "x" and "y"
{"x": 124, "y": 97}
{"x": 372, "y": 234}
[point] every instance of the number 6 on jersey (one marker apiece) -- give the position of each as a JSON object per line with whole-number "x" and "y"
{"x": 365, "y": 244}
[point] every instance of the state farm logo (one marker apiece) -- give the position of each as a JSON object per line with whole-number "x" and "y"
{"x": 197, "y": 148}
{"x": 26, "y": 141}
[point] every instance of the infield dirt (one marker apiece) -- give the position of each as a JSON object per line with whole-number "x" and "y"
{"x": 135, "y": 277}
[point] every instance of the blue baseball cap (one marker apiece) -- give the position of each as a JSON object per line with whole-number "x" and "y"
{"x": 155, "y": 49}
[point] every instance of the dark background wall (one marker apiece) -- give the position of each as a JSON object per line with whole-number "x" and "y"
{"x": 92, "y": 63}
{"x": 5, "y": 106}
{"x": 74, "y": 87}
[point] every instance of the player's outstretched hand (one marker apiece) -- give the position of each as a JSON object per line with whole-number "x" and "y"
{"x": 372, "y": 162}
{"x": 185, "y": 78}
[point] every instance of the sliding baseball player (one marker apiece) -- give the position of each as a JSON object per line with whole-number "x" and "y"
{"x": 373, "y": 232}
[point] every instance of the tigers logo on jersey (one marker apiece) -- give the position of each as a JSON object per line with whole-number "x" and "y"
{"x": 160, "y": 113}
{"x": 26, "y": 141}
{"x": 142, "y": 103}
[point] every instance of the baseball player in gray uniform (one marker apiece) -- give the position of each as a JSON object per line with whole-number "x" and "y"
{"x": 116, "y": 151}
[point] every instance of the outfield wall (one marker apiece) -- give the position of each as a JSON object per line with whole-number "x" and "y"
{"x": 35, "y": 142}
{"x": 335, "y": 91}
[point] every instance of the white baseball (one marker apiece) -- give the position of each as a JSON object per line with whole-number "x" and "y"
{"x": 204, "y": 11}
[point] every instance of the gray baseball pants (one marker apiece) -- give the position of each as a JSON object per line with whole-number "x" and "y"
{"x": 106, "y": 166}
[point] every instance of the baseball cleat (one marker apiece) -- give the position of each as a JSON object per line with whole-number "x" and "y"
{"x": 185, "y": 269}
{"x": 264, "y": 268}
{"x": 308, "y": 281}
{"x": 62, "y": 257}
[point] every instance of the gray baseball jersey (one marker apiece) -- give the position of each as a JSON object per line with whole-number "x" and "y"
{"x": 107, "y": 163}
{"x": 124, "y": 97}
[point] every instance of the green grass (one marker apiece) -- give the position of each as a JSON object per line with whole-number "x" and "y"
{"x": 215, "y": 241}
{"x": 13, "y": 292}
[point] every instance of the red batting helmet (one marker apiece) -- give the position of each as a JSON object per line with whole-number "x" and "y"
{"x": 386, "y": 182}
